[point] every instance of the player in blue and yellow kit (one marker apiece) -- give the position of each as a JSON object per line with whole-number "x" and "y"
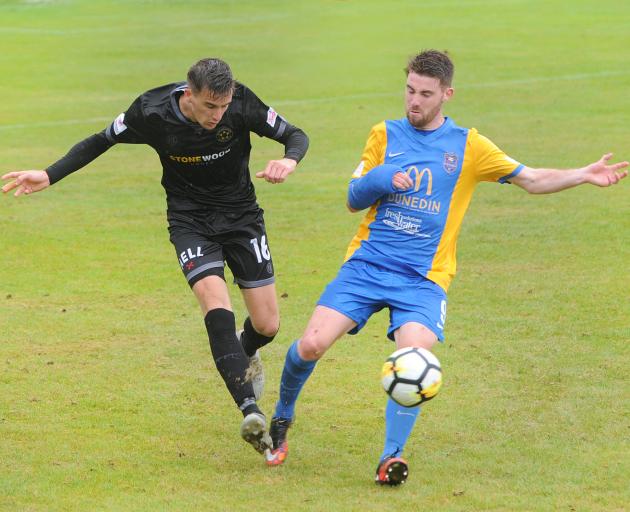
{"x": 417, "y": 176}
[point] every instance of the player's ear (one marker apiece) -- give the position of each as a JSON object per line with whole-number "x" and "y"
{"x": 448, "y": 93}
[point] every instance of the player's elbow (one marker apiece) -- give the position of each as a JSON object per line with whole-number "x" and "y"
{"x": 528, "y": 180}
{"x": 528, "y": 187}
{"x": 533, "y": 187}
{"x": 352, "y": 209}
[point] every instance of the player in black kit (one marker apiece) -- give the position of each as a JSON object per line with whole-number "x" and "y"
{"x": 201, "y": 131}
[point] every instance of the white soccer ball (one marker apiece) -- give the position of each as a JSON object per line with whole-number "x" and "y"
{"x": 411, "y": 376}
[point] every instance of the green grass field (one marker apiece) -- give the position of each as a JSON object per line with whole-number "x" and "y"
{"x": 109, "y": 399}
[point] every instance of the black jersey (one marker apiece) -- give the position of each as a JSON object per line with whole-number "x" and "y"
{"x": 202, "y": 169}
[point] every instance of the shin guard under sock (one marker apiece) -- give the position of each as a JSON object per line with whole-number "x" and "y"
{"x": 229, "y": 357}
{"x": 296, "y": 371}
{"x": 399, "y": 422}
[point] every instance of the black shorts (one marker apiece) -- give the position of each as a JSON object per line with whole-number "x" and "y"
{"x": 205, "y": 240}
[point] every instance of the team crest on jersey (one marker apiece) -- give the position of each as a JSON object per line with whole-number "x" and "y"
{"x": 225, "y": 134}
{"x": 450, "y": 162}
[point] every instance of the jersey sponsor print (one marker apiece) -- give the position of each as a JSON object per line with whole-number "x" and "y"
{"x": 423, "y": 223}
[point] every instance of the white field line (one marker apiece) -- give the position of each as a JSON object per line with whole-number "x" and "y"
{"x": 484, "y": 85}
{"x": 125, "y": 28}
{"x": 329, "y": 99}
{"x": 218, "y": 21}
{"x": 44, "y": 124}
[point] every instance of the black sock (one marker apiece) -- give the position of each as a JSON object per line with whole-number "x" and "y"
{"x": 230, "y": 358}
{"x": 248, "y": 409}
{"x": 253, "y": 340}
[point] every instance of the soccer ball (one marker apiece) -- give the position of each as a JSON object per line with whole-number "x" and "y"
{"x": 411, "y": 376}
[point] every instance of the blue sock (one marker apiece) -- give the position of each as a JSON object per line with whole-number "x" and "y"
{"x": 295, "y": 373}
{"x": 399, "y": 422}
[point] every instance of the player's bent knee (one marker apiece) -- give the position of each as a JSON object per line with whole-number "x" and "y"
{"x": 268, "y": 327}
{"x": 413, "y": 334}
{"x": 311, "y": 348}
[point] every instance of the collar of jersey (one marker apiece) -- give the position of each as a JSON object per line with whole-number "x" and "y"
{"x": 434, "y": 134}
{"x": 175, "y": 104}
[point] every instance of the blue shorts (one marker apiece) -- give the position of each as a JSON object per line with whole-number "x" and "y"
{"x": 362, "y": 289}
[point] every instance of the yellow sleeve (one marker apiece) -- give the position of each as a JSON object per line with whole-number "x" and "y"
{"x": 491, "y": 164}
{"x": 374, "y": 151}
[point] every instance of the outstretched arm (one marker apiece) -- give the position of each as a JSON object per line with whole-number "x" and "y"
{"x": 547, "y": 181}
{"x": 81, "y": 154}
{"x": 26, "y": 182}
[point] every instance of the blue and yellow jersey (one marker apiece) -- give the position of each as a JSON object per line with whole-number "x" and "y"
{"x": 415, "y": 231}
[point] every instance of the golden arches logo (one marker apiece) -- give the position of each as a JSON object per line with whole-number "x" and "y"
{"x": 418, "y": 176}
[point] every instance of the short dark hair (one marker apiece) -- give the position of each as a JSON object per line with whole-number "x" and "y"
{"x": 212, "y": 74}
{"x": 433, "y": 63}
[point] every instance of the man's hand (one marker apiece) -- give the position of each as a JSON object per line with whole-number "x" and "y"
{"x": 277, "y": 170}
{"x": 603, "y": 175}
{"x": 402, "y": 181}
{"x": 26, "y": 182}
